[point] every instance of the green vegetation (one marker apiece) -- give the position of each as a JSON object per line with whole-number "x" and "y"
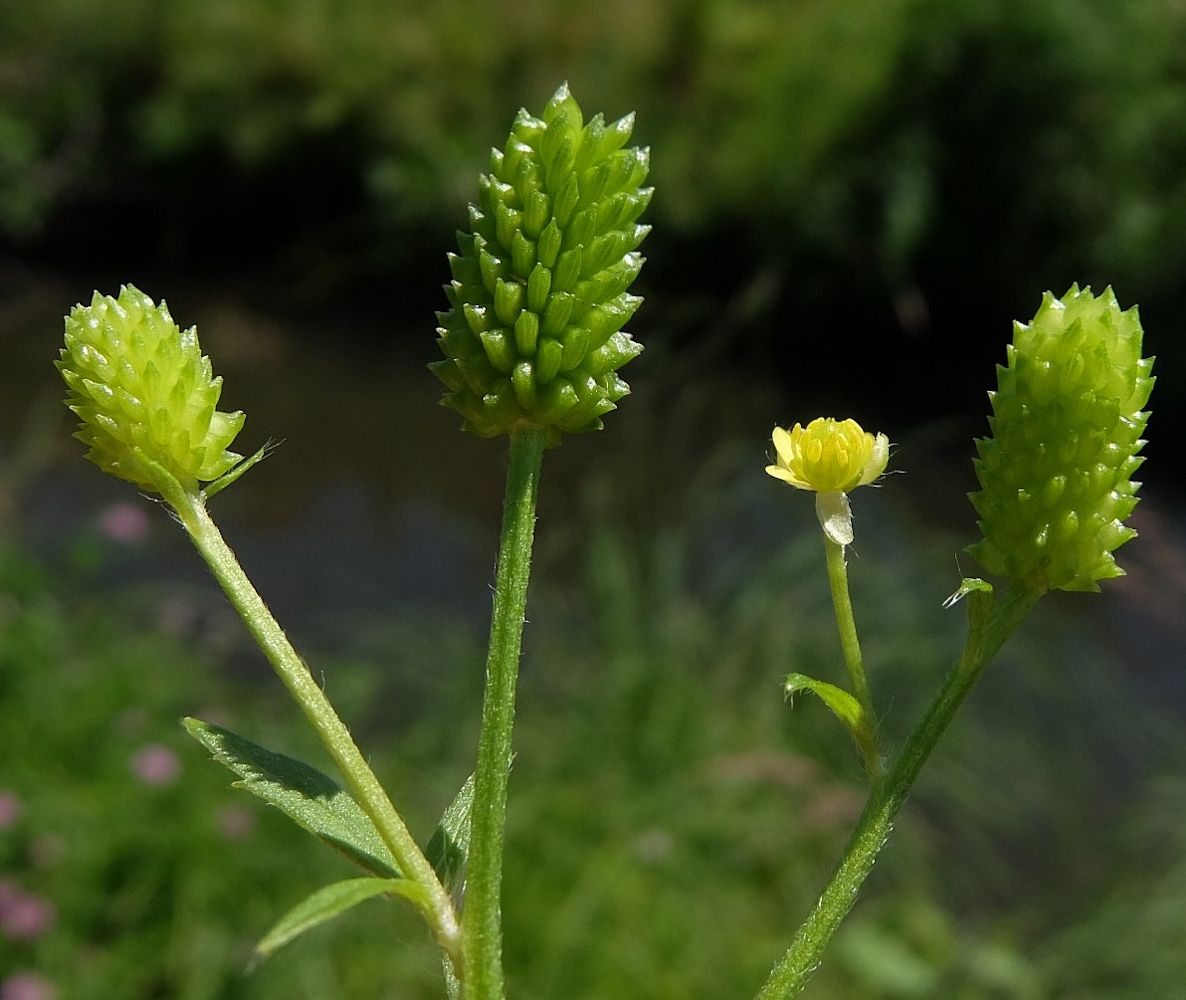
{"x": 675, "y": 820}
{"x": 717, "y": 812}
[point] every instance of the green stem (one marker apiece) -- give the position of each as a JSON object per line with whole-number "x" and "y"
{"x": 292, "y": 670}
{"x": 481, "y": 922}
{"x": 985, "y": 637}
{"x": 846, "y": 623}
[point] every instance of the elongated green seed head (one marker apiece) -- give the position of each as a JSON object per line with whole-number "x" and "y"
{"x": 1056, "y": 474}
{"x": 533, "y": 336}
{"x": 145, "y": 394}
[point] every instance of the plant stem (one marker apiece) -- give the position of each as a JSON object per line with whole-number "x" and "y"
{"x": 481, "y": 921}
{"x": 292, "y": 670}
{"x": 985, "y": 637}
{"x": 846, "y": 623}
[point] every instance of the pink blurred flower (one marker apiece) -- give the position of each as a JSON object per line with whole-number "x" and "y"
{"x": 156, "y": 765}
{"x": 27, "y": 986}
{"x": 124, "y": 522}
{"x": 23, "y": 915}
{"x": 11, "y": 808}
{"x": 235, "y": 823}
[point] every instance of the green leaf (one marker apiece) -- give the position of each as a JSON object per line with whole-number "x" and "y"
{"x": 327, "y": 902}
{"x": 448, "y": 848}
{"x": 846, "y": 708}
{"x": 309, "y": 798}
{"x": 447, "y": 852}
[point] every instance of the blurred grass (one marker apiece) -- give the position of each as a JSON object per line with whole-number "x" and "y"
{"x": 671, "y": 818}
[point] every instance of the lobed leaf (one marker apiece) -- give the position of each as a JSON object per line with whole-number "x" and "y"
{"x": 311, "y": 799}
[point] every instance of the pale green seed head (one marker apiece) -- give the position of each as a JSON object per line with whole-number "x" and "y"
{"x": 145, "y": 394}
{"x": 1056, "y": 475}
{"x": 539, "y": 296}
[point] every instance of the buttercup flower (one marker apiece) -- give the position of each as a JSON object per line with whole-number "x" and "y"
{"x": 831, "y": 458}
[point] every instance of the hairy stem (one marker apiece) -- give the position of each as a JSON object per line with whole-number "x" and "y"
{"x": 482, "y": 917}
{"x": 985, "y": 637}
{"x": 846, "y": 623}
{"x": 292, "y": 670}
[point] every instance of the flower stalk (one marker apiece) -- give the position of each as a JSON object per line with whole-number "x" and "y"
{"x": 482, "y": 919}
{"x": 437, "y": 909}
{"x": 831, "y": 457}
{"x": 986, "y": 633}
{"x": 146, "y": 398}
{"x": 851, "y": 647}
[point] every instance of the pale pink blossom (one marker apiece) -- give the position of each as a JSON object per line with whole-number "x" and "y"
{"x": 27, "y": 986}
{"x": 124, "y": 522}
{"x": 24, "y": 916}
{"x": 156, "y": 765}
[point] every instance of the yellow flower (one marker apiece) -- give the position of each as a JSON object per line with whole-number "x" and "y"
{"x": 830, "y": 457}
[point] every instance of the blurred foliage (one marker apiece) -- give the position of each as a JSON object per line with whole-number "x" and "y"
{"x": 887, "y": 133}
{"x": 906, "y": 175}
{"x": 160, "y": 881}
{"x": 670, "y": 817}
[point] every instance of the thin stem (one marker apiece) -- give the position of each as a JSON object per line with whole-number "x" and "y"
{"x": 292, "y": 670}
{"x": 846, "y": 623}
{"x": 985, "y": 637}
{"x": 481, "y": 922}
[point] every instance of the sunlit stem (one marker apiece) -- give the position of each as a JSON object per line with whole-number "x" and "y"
{"x": 292, "y": 670}
{"x": 985, "y": 637}
{"x": 846, "y": 623}
{"x": 482, "y": 919}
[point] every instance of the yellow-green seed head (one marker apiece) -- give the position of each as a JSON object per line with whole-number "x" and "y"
{"x": 539, "y": 296}
{"x": 1056, "y": 475}
{"x": 145, "y": 394}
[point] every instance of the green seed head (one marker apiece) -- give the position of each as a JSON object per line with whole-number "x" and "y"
{"x": 145, "y": 394}
{"x": 539, "y": 297}
{"x": 1056, "y": 474}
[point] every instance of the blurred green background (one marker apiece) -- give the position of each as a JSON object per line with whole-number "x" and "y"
{"x": 854, "y": 200}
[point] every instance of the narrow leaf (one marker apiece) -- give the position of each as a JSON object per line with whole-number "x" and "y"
{"x": 327, "y": 902}
{"x": 309, "y": 798}
{"x": 225, "y": 480}
{"x": 846, "y": 708}
{"x": 448, "y": 848}
{"x": 447, "y": 852}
